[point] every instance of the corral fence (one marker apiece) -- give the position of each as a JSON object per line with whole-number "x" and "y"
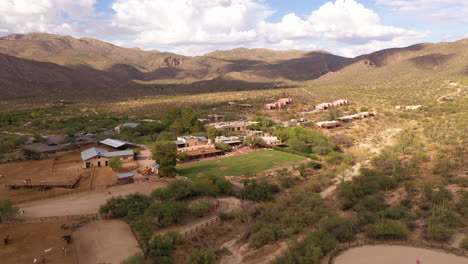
{"x": 411, "y": 243}
{"x": 84, "y": 217}
{"x": 67, "y": 171}
{"x": 46, "y": 195}
{"x": 199, "y": 227}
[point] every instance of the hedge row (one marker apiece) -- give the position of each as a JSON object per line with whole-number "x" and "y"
{"x": 291, "y": 151}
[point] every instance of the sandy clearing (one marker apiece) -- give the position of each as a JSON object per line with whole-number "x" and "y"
{"x": 85, "y": 202}
{"x": 396, "y": 254}
{"x": 108, "y": 241}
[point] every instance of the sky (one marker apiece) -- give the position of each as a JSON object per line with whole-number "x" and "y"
{"x": 195, "y": 27}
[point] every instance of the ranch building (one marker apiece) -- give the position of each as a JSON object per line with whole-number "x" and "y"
{"x": 98, "y": 157}
{"x": 124, "y": 178}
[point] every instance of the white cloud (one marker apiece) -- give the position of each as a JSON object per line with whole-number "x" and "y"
{"x": 231, "y": 23}
{"x": 444, "y": 10}
{"x": 54, "y": 16}
{"x": 199, "y": 26}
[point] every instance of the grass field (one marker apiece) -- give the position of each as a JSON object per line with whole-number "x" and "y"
{"x": 248, "y": 164}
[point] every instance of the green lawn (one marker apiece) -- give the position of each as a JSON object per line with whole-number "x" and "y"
{"x": 238, "y": 165}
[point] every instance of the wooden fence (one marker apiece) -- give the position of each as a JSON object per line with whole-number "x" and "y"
{"x": 39, "y": 184}
{"x": 199, "y": 227}
{"x": 93, "y": 217}
{"x": 411, "y": 243}
{"x": 70, "y": 192}
{"x": 66, "y": 171}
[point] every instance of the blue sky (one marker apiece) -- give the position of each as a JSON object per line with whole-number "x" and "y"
{"x": 194, "y": 27}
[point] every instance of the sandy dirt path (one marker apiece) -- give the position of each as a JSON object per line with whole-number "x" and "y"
{"x": 440, "y": 99}
{"x": 396, "y": 254}
{"x": 388, "y": 136}
{"x": 109, "y": 241}
{"x": 83, "y": 203}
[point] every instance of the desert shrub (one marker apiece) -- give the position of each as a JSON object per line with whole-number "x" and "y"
{"x": 310, "y": 251}
{"x": 224, "y": 147}
{"x": 237, "y": 215}
{"x": 394, "y": 213}
{"x": 200, "y": 256}
{"x": 138, "y": 258}
{"x": 388, "y": 229}
{"x": 263, "y": 233}
{"x": 201, "y": 207}
{"x": 323, "y": 150}
{"x": 259, "y": 190}
{"x": 7, "y": 210}
{"x": 342, "y": 228}
{"x": 168, "y": 213}
{"x": 462, "y": 205}
{"x": 334, "y": 158}
{"x": 437, "y": 196}
{"x": 298, "y": 145}
{"x": 289, "y": 216}
{"x": 286, "y": 182}
{"x": 439, "y": 232}
{"x": 315, "y": 165}
{"x": 464, "y": 243}
{"x": 162, "y": 247}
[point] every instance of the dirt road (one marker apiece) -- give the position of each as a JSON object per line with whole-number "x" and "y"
{"x": 109, "y": 241}
{"x": 83, "y": 203}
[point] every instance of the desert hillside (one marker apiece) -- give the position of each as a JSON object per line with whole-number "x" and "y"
{"x": 62, "y": 66}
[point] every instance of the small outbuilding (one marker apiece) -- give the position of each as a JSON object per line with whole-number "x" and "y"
{"x": 124, "y": 178}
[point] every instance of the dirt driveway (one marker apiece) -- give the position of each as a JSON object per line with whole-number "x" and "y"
{"x": 108, "y": 241}
{"x": 83, "y": 203}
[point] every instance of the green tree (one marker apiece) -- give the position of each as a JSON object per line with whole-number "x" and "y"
{"x": 168, "y": 213}
{"x": 201, "y": 207}
{"x": 165, "y": 154}
{"x": 254, "y": 142}
{"x": 138, "y": 258}
{"x": 30, "y": 154}
{"x": 224, "y": 147}
{"x": 115, "y": 163}
{"x": 334, "y": 114}
{"x": 213, "y": 132}
{"x": 117, "y": 206}
{"x": 162, "y": 194}
{"x": 7, "y": 210}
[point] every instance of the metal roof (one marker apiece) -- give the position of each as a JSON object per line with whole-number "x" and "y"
{"x": 92, "y": 152}
{"x": 179, "y": 142}
{"x": 130, "y": 124}
{"x": 125, "y": 175}
{"x": 118, "y": 153}
{"x": 155, "y": 165}
{"x": 115, "y": 143}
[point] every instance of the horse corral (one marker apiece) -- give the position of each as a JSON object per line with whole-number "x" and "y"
{"x": 36, "y": 241}
{"x": 36, "y": 179}
{"x": 107, "y": 241}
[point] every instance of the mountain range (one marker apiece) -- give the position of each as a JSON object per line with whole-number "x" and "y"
{"x": 42, "y": 65}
